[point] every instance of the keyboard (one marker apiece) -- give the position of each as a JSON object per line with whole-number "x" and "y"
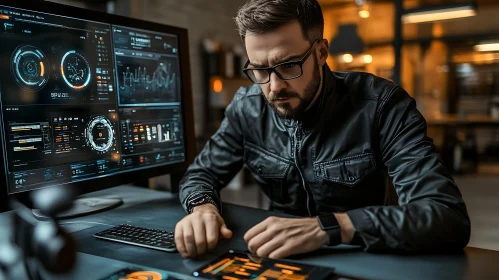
{"x": 145, "y": 237}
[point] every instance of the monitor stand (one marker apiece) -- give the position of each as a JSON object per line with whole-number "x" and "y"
{"x": 84, "y": 206}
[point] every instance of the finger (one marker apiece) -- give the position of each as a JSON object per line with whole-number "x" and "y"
{"x": 225, "y": 231}
{"x": 282, "y": 252}
{"x": 200, "y": 236}
{"x": 179, "y": 240}
{"x": 189, "y": 240}
{"x": 257, "y": 229}
{"x": 269, "y": 247}
{"x": 257, "y": 241}
{"x": 212, "y": 230}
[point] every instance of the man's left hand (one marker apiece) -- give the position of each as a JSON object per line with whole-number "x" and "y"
{"x": 281, "y": 237}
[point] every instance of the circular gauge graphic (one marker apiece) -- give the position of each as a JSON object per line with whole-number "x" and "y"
{"x": 75, "y": 70}
{"x": 99, "y": 134}
{"x": 143, "y": 275}
{"x": 30, "y": 68}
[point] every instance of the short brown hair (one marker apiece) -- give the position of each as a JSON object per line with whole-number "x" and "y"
{"x": 260, "y": 16}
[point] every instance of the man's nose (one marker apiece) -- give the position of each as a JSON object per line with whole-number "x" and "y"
{"x": 276, "y": 83}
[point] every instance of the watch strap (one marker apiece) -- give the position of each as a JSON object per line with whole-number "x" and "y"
{"x": 330, "y": 225}
{"x": 197, "y": 199}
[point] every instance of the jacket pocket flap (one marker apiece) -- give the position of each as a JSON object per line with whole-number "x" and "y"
{"x": 348, "y": 171}
{"x": 264, "y": 163}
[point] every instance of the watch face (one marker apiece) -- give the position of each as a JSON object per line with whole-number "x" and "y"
{"x": 328, "y": 222}
{"x": 199, "y": 201}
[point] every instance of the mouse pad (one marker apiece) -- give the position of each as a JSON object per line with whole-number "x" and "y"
{"x": 236, "y": 265}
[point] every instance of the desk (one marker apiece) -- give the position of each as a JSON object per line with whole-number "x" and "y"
{"x": 149, "y": 208}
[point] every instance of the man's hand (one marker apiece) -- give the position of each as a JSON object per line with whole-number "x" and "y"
{"x": 281, "y": 237}
{"x": 199, "y": 232}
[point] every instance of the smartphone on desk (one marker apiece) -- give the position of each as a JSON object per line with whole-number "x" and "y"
{"x": 236, "y": 265}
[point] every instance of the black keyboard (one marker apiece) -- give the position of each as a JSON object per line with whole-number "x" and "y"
{"x": 145, "y": 237}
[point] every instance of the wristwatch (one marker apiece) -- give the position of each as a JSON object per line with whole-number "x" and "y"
{"x": 330, "y": 225}
{"x": 199, "y": 199}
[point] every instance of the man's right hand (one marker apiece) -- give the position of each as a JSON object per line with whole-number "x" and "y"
{"x": 199, "y": 232}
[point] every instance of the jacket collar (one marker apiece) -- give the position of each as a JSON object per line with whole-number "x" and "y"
{"x": 313, "y": 115}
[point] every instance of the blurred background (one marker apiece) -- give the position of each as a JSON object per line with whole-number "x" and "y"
{"x": 444, "y": 53}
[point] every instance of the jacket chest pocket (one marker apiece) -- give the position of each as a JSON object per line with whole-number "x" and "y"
{"x": 269, "y": 170}
{"x": 342, "y": 177}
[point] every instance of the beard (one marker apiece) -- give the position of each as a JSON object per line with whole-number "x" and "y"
{"x": 285, "y": 110}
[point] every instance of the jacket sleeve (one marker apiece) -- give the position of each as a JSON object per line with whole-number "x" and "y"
{"x": 431, "y": 213}
{"x": 217, "y": 163}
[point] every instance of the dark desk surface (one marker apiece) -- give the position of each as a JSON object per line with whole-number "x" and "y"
{"x": 154, "y": 209}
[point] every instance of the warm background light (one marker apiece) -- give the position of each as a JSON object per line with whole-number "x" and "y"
{"x": 490, "y": 47}
{"x": 217, "y": 85}
{"x": 438, "y": 15}
{"x": 368, "y": 58}
{"x": 347, "y": 58}
{"x": 363, "y": 6}
{"x": 364, "y": 13}
{"x": 437, "y": 30}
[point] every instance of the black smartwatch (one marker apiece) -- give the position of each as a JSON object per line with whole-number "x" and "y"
{"x": 330, "y": 225}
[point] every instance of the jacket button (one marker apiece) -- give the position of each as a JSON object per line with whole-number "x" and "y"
{"x": 351, "y": 178}
{"x": 260, "y": 170}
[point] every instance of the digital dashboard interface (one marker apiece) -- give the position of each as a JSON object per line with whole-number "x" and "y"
{"x": 83, "y": 99}
{"x": 235, "y": 265}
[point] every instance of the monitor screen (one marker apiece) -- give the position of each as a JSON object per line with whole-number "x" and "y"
{"x": 84, "y": 99}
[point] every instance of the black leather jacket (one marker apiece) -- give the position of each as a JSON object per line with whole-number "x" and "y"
{"x": 335, "y": 160}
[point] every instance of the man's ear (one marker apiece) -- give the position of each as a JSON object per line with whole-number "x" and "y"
{"x": 323, "y": 51}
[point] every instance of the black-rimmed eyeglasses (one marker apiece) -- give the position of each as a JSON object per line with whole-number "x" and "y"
{"x": 286, "y": 70}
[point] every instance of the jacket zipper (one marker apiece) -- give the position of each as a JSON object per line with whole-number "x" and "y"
{"x": 299, "y": 171}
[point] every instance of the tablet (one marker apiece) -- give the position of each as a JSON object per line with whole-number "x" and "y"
{"x": 235, "y": 265}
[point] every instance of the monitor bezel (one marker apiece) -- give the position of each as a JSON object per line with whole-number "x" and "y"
{"x": 112, "y": 180}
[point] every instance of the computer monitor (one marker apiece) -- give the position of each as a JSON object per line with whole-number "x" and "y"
{"x": 90, "y": 99}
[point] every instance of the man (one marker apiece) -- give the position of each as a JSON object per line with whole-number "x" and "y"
{"x": 318, "y": 143}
